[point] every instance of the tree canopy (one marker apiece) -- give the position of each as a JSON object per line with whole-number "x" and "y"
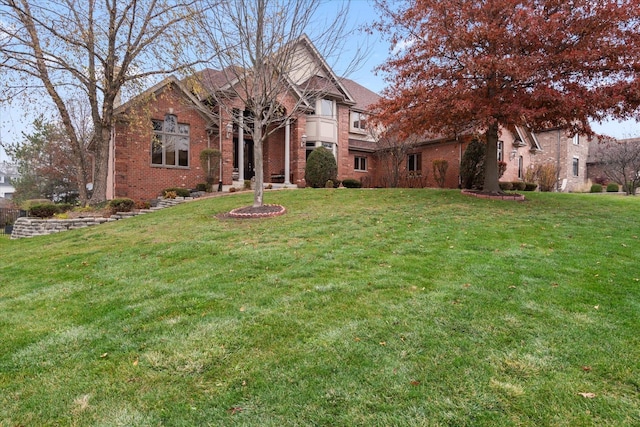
{"x": 65, "y": 51}
{"x": 462, "y": 65}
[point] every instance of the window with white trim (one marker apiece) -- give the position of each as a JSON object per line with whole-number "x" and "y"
{"x": 326, "y": 107}
{"x": 576, "y": 166}
{"x": 358, "y": 121}
{"x": 576, "y": 139}
{"x": 170, "y": 143}
{"x": 500, "y": 151}
{"x": 360, "y": 163}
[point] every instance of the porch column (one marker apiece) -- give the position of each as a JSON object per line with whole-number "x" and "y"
{"x": 241, "y": 147}
{"x": 287, "y": 151}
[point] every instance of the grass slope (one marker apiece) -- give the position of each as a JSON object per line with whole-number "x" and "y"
{"x": 356, "y": 308}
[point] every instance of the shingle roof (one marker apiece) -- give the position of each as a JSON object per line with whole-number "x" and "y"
{"x": 364, "y": 97}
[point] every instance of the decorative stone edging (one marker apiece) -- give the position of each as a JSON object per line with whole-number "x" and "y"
{"x": 264, "y": 211}
{"x": 32, "y": 227}
{"x": 513, "y": 197}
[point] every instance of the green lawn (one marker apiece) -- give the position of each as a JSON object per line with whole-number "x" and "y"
{"x": 355, "y": 308}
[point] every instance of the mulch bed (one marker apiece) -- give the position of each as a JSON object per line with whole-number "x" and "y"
{"x": 264, "y": 211}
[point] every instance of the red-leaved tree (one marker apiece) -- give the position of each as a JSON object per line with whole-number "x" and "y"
{"x": 462, "y": 65}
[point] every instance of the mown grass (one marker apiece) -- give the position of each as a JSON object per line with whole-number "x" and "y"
{"x": 356, "y": 308}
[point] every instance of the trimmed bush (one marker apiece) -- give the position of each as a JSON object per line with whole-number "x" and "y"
{"x": 352, "y": 183}
{"x": 43, "y": 210}
{"x": 530, "y": 186}
{"x": 321, "y": 167}
{"x": 180, "y": 192}
{"x": 505, "y": 186}
{"x": 121, "y": 205}
{"x": 519, "y": 185}
{"x": 612, "y": 187}
{"x": 203, "y": 186}
{"x": 596, "y": 188}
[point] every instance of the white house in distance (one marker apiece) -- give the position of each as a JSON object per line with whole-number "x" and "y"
{"x": 7, "y": 173}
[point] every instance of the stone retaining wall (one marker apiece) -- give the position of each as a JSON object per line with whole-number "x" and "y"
{"x": 31, "y": 227}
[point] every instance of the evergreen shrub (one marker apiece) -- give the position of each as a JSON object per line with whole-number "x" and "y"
{"x": 596, "y": 188}
{"x": 612, "y": 187}
{"x": 43, "y": 210}
{"x": 180, "y": 192}
{"x": 321, "y": 167}
{"x": 352, "y": 183}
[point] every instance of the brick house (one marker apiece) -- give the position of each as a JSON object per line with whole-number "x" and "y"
{"x": 518, "y": 147}
{"x": 159, "y": 135}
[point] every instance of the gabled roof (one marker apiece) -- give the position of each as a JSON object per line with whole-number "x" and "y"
{"x": 363, "y": 97}
{"x": 157, "y": 89}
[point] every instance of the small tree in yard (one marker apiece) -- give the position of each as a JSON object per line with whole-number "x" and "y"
{"x": 210, "y": 162}
{"x": 321, "y": 167}
{"x": 621, "y": 163}
{"x": 440, "y": 167}
{"x": 472, "y": 165}
{"x": 475, "y": 65}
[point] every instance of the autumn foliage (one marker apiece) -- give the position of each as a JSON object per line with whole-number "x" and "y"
{"x": 461, "y": 65}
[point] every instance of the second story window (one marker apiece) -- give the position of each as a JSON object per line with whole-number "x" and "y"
{"x": 325, "y": 107}
{"x": 358, "y": 121}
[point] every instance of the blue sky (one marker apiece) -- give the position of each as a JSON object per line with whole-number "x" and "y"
{"x": 362, "y": 13}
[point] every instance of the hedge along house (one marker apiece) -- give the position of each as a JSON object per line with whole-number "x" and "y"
{"x": 159, "y": 135}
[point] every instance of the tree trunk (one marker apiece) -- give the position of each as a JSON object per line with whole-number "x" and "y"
{"x": 101, "y": 144}
{"x": 491, "y": 161}
{"x": 258, "y": 161}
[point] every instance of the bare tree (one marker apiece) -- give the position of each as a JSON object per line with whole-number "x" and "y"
{"x": 392, "y": 150}
{"x": 620, "y": 161}
{"x": 256, "y": 45}
{"x": 96, "y": 48}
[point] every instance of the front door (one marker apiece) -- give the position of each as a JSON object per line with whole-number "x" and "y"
{"x": 249, "y": 165}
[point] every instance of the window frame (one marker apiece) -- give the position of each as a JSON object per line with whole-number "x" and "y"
{"x": 360, "y": 163}
{"x": 359, "y": 118}
{"x": 414, "y": 167}
{"x": 170, "y": 133}
{"x": 575, "y": 166}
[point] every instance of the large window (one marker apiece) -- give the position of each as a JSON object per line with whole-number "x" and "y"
{"x": 360, "y": 163}
{"x": 170, "y": 143}
{"x": 414, "y": 164}
{"x": 576, "y": 166}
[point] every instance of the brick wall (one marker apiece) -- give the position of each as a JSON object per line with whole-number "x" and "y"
{"x": 135, "y": 176}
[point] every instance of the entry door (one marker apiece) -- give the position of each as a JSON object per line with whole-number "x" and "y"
{"x": 249, "y": 165}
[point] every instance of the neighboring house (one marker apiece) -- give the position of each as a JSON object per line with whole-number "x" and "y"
{"x": 7, "y": 173}
{"x": 159, "y": 135}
